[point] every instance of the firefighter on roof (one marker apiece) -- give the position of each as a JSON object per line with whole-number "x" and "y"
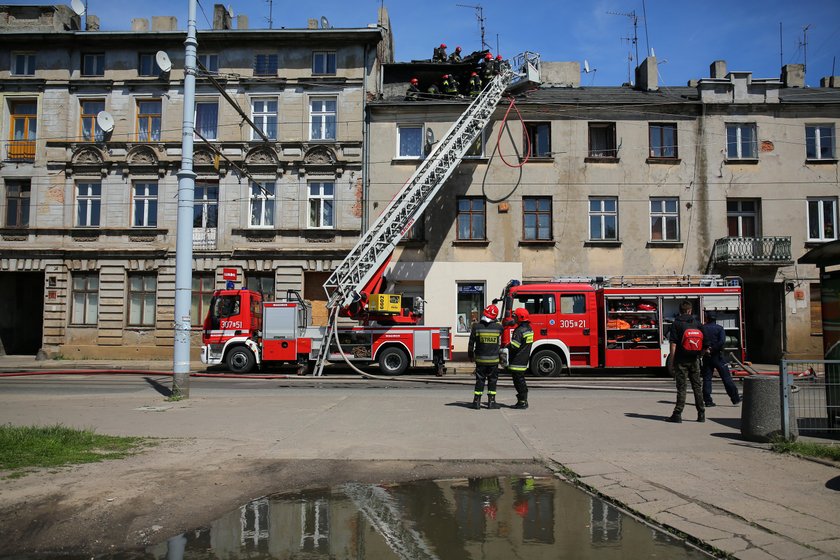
{"x": 455, "y": 57}
{"x": 413, "y": 92}
{"x": 475, "y": 84}
{"x": 483, "y": 348}
{"x": 449, "y": 86}
{"x": 440, "y": 53}
{"x": 520, "y": 352}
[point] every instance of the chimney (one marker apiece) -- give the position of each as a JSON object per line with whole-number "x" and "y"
{"x": 139, "y": 24}
{"x": 242, "y": 22}
{"x": 313, "y": 23}
{"x": 221, "y": 17}
{"x": 793, "y": 75}
{"x": 646, "y": 75}
{"x": 164, "y": 23}
{"x": 830, "y": 82}
{"x": 717, "y": 69}
{"x": 91, "y": 23}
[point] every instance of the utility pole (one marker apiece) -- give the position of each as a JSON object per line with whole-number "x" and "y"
{"x": 183, "y": 238}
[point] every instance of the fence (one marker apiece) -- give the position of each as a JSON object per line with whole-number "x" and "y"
{"x": 810, "y": 397}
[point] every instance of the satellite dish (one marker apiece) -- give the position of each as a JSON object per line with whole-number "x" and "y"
{"x": 105, "y": 121}
{"x": 325, "y": 23}
{"x": 430, "y": 136}
{"x": 78, "y": 7}
{"x": 163, "y": 61}
{"x": 230, "y": 11}
{"x": 586, "y": 66}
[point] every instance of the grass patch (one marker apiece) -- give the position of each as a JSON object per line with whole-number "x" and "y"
{"x": 26, "y": 447}
{"x": 808, "y": 449}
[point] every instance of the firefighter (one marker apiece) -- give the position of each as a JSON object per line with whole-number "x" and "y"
{"x": 487, "y": 72}
{"x": 483, "y": 348}
{"x": 449, "y": 86}
{"x": 520, "y": 352}
{"x": 440, "y": 53}
{"x": 433, "y": 92}
{"x": 455, "y": 57}
{"x": 413, "y": 92}
{"x": 475, "y": 84}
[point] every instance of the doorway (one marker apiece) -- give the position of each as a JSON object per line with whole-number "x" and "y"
{"x": 764, "y": 323}
{"x": 21, "y": 312}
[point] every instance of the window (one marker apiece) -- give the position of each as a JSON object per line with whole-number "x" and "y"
{"x": 262, "y": 283}
{"x": 742, "y": 217}
{"x": 476, "y": 150}
{"x": 145, "y": 205}
{"x": 663, "y": 140}
{"x": 741, "y": 141}
{"x": 471, "y": 218}
{"x": 148, "y": 120}
{"x": 262, "y": 205}
{"x": 93, "y": 64}
{"x": 469, "y": 306}
{"x": 538, "y": 136}
{"x": 822, "y": 219}
{"x": 321, "y": 205}
{"x": 206, "y": 205}
{"x": 202, "y": 292}
{"x": 207, "y": 119}
{"x": 23, "y": 64}
{"x": 323, "y": 62}
{"x": 409, "y": 141}
{"x": 209, "y": 61}
{"x": 572, "y": 304}
{"x": 142, "y": 290}
{"x": 23, "y": 127}
{"x": 264, "y": 115}
{"x": 322, "y": 115}
{"x": 147, "y": 65}
{"x": 90, "y": 130}
{"x": 602, "y": 140}
{"x": 536, "y": 218}
{"x": 664, "y": 219}
{"x": 417, "y": 230}
{"x": 88, "y": 203}
{"x": 18, "y": 195}
{"x": 819, "y": 141}
{"x": 536, "y": 304}
{"x": 265, "y": 65}
{"x": 85, "y": 299}
{"x": 603, "y": 219}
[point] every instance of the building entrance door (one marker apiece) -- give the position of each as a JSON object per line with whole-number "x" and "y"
{"x": 21, "y": 312}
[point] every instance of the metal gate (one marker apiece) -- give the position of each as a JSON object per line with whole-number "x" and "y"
{"x": 810, "y": 397}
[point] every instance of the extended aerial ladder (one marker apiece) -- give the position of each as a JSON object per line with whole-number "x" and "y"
{"x": 364, "y": 265}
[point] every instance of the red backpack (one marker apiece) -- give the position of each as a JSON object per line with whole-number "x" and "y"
{"x": 692, "y": 340}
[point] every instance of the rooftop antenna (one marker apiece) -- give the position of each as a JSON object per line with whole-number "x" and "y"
{"x": 633, "y": 40}
{"x": 781, "y": 47}
{"x": 479, "y": 15}
{"x": 804, "y": 45}
{"x": 588, "y": 70}
{"x": 270, "y": 17}
{"x": 647, "y": 42}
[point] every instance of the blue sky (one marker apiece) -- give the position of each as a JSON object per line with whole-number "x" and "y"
{"x": 686, "y": 36}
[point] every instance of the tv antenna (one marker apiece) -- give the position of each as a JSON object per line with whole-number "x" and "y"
{"x": 479, "y": 15}
{"x": 270, "y": 17}
{"x": 804, "y": 45}
{"x": 634, "y": 40}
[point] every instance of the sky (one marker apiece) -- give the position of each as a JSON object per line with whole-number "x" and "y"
{"x": 686, "y": 36}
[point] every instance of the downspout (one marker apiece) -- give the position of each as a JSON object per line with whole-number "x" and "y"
{"x": 365, "y": 151}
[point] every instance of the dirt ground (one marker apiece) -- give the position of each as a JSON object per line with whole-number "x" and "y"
{"x": 175, "y": 486}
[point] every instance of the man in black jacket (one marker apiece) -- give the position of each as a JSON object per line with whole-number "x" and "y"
{"x": 685, "y": 362}
{"x": 520, "y": 353}
{"x": 714, "y": 339}
{"x": 483, "y": 347}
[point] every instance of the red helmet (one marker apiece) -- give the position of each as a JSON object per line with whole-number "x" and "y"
{"x": 414, "y": 80}
{"x": 488, "y": 56}
{"x": 443, "y": 45}
{"x": 445, "y": 76}
{"x": 474, "y": 74}
{"x": 498, "y": 57}
{"x": 457, "y": 49}
{"x": 491, "y": 311}
{"x": 521, "y": 314}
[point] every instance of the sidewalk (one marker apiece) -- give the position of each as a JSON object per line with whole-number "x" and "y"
{"x": 701, "y": 479}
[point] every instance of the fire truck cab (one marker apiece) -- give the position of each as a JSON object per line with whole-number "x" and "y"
{"x": 618, "y": 322}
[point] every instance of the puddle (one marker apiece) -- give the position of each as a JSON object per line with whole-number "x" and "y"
{"x": 477, "y": 518}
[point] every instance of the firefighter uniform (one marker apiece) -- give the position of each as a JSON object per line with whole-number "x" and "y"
{"x": 520, "y": 353}
{"x": 449, "y": 86}
{"x": 483, "y": 347}
{"x": 475, "y": 84}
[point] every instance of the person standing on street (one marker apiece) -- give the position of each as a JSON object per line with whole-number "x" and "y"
{"x": 520, "y": 353}
{"x": 686, "y": 340}
{"x": 714, "y": 339}
{"x": 483, "y": 348}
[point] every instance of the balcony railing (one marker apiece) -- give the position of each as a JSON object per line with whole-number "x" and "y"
{"x": 773, "y": 251}
{"x": 21, "y": 150}
{"x": 204, "y": 238}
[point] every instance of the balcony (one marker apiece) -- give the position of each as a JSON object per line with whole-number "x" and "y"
{"x": 752, "y": 251}
{"x": 21, "y": 150}
{"x": 204, "y": 239}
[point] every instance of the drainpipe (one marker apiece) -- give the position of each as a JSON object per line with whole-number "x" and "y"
{"x": 365, "y": 151}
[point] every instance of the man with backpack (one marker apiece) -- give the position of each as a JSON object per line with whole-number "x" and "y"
{"x": 686, "y": 338}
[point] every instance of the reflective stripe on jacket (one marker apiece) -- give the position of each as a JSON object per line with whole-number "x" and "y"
{"x": 485, "y": 339}
{"x": 520, "y": 347}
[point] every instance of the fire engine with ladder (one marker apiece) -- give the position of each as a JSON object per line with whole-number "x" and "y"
{"x": 619, "y": 322}
{"x": 243, "y": 331}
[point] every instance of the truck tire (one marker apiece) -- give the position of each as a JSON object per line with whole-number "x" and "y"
{"x": 393, "y": 361}
{"x": 240, "y": 360}
{"x": 546, "y": 363}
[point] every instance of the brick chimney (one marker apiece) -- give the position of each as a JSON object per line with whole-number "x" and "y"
{"x": 717, "y": 69}
{"x": 647, "y": 76}
{"x": 221, "y": 17}
{"x": 793, "y": 75}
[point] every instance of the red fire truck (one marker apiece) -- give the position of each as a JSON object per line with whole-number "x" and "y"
{"x": 619, "y": 322}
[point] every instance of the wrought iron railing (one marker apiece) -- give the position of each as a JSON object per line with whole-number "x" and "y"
{"x": 752, "y": 250}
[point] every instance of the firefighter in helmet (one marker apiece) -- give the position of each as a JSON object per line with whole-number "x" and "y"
{"x": 487, "y": 68}
{"x": 475, "y": 84}
{"x": 439, "y": 53}
{"x": 520, "y": 353}
{"x": 455, "y": 57}
{"x": 449, "y": 86}
{"x": 413, "y": 92}
{"x": 483, "y": 348}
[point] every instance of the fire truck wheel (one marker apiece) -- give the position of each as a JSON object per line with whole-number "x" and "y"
{"x": 393, "y": 361}
{"x": 240, "y": 360}
{"x": 546, "y": 363}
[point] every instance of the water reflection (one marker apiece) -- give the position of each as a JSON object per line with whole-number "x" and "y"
{"x": 517, "y": 517}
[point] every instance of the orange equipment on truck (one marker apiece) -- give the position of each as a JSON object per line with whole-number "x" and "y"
{"x": 619, "y": 322}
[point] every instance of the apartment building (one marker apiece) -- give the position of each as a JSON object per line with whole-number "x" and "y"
{"x": 731, "y": 175}
{"x": 91, "y": 127}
